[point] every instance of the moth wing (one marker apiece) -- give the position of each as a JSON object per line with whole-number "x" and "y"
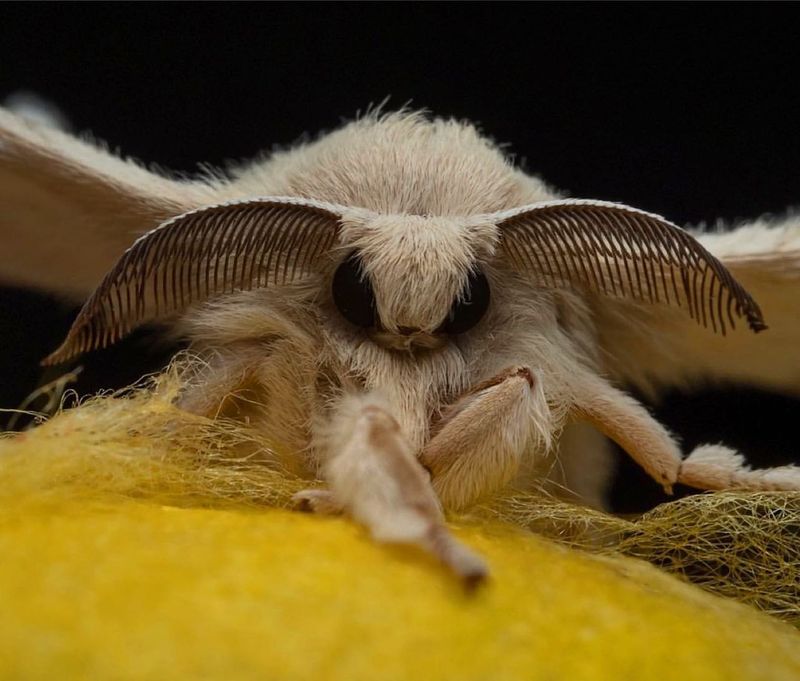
{"x": 653, "y": 346}
{"x": 69, "y": 208}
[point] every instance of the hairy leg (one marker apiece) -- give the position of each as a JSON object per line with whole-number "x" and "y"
{"x": 320, "y": 501}
{"x": 374, "y": 476}
{"x": 711, "y": 467}
{"x": 583, "y": 468}
{"x": 716, "y": 467}
{"x": 624, "y": 420}
{"x": 216, "y": 379}
{"x": 477, "y": 445}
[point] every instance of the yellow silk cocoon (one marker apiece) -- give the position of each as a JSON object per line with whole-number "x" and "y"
{"x": 134, "y": 545}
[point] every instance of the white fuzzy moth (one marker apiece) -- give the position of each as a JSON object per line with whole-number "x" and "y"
{"x": 421, "y": 322}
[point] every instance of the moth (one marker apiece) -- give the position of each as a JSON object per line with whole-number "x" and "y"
{"x": 417, "y": 320}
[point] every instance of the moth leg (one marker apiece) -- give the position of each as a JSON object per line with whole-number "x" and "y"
{"x": 374, "y": 475}
{"x": 478, "y": 443}
{"x": 624, "y": 420}
{"x": 319, "y": 501}
{"x": 214, "y": 383}
{"x": 716, "y": 467}
{"x": 583, "y": 466}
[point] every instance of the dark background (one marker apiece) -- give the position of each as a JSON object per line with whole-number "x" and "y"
{"x": 688, "y": 111}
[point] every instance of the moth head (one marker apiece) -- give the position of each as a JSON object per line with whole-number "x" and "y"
{"x": 406, "y": 280}
{"x": 412, "y": 280}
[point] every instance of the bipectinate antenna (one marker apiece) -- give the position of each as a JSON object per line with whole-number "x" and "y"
{"x": 239, "y": 245}
{"x": 617, "y": 250}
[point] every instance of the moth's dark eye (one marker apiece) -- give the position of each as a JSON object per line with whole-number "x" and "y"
{"x": 470, "y": 307}
{"x": 352, "y": 293}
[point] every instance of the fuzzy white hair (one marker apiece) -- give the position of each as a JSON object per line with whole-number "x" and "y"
{"x": 426, "y": 204}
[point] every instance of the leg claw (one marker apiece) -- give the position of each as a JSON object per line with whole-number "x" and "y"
{"x": 319, "y": 501}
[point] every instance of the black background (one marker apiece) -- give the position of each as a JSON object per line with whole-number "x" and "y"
{"x": 690, "y": 111}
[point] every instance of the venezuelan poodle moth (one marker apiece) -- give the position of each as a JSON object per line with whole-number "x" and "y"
{"x": 418, "y": 320}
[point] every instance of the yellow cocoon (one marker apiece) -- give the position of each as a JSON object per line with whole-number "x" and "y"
{"x": 125, "y": 554}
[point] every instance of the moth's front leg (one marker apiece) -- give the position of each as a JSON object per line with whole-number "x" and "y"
{"x": 478, "y": 444}
{"x": 374, "y": 476}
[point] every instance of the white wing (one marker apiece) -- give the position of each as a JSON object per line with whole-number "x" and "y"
{"x": 653, "y": 346}
{"x": 69, "y": 209}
